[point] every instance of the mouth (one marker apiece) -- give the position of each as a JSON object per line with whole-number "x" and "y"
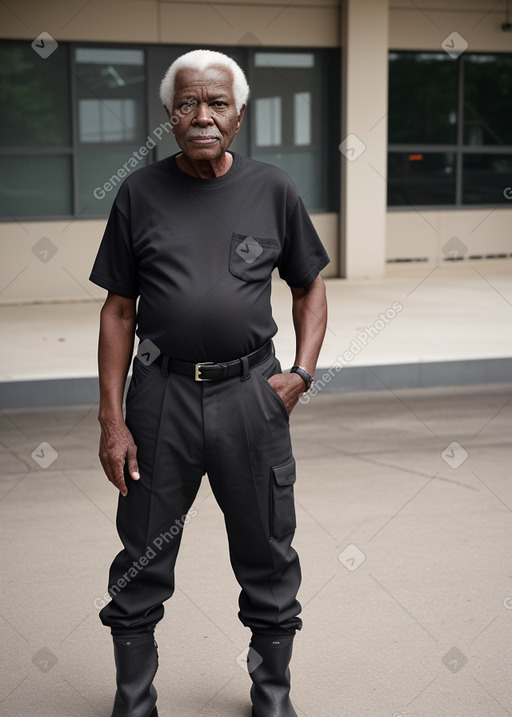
{"x": 203, "y": 140}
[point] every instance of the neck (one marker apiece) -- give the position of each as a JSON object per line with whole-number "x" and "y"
{"x": 205, "y": 168}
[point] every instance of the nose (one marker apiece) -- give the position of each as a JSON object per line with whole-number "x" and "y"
{"x": 203, "y": 115}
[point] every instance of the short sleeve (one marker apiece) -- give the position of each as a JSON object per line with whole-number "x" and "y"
{"x": 303, "y": 255}
{"x": 115, "y": 266}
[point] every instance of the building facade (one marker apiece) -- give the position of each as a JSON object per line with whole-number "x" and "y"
{"x": 392, "y": 117}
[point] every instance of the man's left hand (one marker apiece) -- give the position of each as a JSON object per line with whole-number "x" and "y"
{"x": 289, "y": 387}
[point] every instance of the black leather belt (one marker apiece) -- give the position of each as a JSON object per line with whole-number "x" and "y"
{"x": 209, "y": 371}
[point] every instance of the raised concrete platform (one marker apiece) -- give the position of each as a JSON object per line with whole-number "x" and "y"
{"x": 421, "y": 325}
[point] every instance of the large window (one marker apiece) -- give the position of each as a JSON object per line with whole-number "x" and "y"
{"x": 110, "y": 119}
{"x": 74, "y": 125}
{"x": 289, "y": 124}
{"x": 450, "y": 134}
{"x": 35, "y": 132}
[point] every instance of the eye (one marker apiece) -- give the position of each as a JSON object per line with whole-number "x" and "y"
{"x": 188, "y": 105}
{"x": 219, "y": 103}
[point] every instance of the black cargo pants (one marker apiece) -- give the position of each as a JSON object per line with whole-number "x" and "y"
{"x": 237, "y": 431}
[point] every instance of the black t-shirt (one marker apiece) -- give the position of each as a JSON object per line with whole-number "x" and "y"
{"x": 200, "y": 252}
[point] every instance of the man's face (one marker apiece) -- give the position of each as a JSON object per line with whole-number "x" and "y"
{"x": 205, "y": 106}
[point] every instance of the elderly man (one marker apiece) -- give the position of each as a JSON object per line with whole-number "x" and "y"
{"x": 195, "y": 238}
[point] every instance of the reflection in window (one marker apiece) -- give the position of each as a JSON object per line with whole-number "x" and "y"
{"x": 487, "y": 100}
{"x": 422, "y": 98}
{"x": 427, "y": 90}
{"x": 485, "y": 177}
{"x": 302, "y": 118}
{"x": 34, "y": 97}
{"x": 416, "y": 179}
{"x": 285, "y": 86}
{"x": 110, "y": 94}
{"x": 284, "y": 59}
{"x": 268, "y": 121}
{"x": 101, "y": 170}
{"x": 34, "y": 186}
{"x": 111, "y": 97}
{"x": 106, "y": 56}
{"x": 35, "y": 132}
{"x": 106, "y": 120}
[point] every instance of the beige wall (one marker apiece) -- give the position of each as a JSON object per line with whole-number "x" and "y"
{"x": 414, "y": 26}
{"x": 364, "y": 133}
{"x": 231, "y": 22}
{"x": 29, "y": 274}
{"x": 327, "y": 226}
{"x": 424, "y": 26}
{"x": 422, "y": 234}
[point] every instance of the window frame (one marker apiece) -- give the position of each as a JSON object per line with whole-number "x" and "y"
{"x": 73, "y": 46}
{"x": 459, "y": 149}
{"x": 331, "y": 117}
{"x": 331, "y": 196}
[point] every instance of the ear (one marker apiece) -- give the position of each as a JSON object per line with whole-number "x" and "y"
{"x": 239, "y": 119}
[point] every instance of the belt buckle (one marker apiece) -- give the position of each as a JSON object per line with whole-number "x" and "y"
{"x": 197, "y": 371}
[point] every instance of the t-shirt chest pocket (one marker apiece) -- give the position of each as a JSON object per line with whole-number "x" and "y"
{"x": 252, "y": 258}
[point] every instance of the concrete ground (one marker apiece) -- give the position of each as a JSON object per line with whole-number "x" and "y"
{"x": 404, "y": 507}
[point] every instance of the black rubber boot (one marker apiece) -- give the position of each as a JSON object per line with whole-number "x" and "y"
{"x": 267, "y": 662}
{"x": 136, "y": 659}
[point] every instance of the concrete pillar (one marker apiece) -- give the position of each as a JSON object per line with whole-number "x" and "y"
{"x": 364, "y": 137}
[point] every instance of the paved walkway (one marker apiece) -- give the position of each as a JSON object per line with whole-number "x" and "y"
{"x": 404, "y": 504}
{"x": 429, "y": 324}
{"x": 445, "y": 312}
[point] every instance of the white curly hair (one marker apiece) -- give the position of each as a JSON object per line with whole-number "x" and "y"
{"x": 201, "y": 60}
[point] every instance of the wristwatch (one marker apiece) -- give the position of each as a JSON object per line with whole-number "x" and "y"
{"x": 305, "y": 376}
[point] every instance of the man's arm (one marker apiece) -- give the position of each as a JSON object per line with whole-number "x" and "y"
{"x": 117, "y": 331}
{"x": 309, "y": 311}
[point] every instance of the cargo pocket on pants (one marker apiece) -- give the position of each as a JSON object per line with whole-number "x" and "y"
{"x": 282, "y": 509}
